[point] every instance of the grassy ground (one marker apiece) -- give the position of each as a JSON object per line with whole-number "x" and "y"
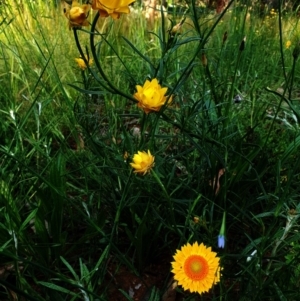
{"x": 77, "y": 224}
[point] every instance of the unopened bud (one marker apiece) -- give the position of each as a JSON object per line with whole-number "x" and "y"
{"x": 175, "y": 29}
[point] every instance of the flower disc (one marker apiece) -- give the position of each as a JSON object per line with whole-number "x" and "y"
{"x": 196, "y": 267}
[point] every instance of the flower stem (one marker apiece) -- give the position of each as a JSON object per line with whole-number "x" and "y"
{"x": 112, "y": 88}
{"x": 156, "y": 177}
{"x": 86, "y": 59}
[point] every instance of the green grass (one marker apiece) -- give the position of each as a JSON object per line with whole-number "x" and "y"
{"x": 77, "y": 224}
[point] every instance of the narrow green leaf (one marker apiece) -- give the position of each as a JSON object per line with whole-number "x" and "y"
{"x": 56, "y": 287}
{"x": 69, "y": 268}
{"x": 29, "y": 218}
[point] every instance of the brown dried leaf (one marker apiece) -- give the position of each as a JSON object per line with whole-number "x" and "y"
{"x": 216, "y": 181}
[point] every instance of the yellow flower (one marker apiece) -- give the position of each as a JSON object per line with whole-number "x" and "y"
{"x": 142, "y": 162}
{"x": 77, "y": 14}
{"x": 196, "y": 219}
{"x": 196, "y": 267}
{"x": 81, "y": 64}
{"x": 151, "y": 97}
{"x": 113, "y": 8}
{"x": 288, "y": 44}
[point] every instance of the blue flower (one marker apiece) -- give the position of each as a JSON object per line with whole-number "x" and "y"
{"x": 221, "y": 236}
{"x": 221, "y": 241}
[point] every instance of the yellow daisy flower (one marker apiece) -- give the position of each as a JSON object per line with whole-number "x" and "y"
{"x": 142, "y": 162}
{"x": 151, "y": 97}
{"x": 77, "y": 14}
{"x": 81, "y": 64}
{"x": 196, "y": 267}
{"x": 288, "y": 44}
{"x": 113, "y": 8}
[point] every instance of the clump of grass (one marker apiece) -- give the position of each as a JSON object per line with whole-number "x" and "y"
{"x": 75, "y": 216}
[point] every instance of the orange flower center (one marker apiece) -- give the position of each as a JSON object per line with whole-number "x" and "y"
{"x": 196, "y": 267}
{"x": 143, "y": 164}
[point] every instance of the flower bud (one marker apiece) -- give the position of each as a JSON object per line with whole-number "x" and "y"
{"x": 221, "y": 236}
{"x": 175, "y": 29}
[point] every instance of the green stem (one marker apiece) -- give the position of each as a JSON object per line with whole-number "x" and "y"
{"x": 291, "y": 220}
{"x": 213, "y": 91}
{"x": 292, "y": 78}
{"x": 171, "y": 207}
{"x": 119, "y": 209}
{"x": 86, "y": 60}
{"x": 200, "y": 47}
{"x": 230, "y": 98}
{"x": 112, "y": 88}
{"x": 281, "y": 40}
{"x": 282, "y": 98}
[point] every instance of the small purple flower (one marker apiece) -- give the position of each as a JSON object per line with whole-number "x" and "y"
{"x": 221, "y": 241}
